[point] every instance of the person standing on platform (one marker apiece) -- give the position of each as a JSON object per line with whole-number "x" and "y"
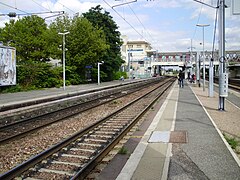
{"x": 181, "y": 78}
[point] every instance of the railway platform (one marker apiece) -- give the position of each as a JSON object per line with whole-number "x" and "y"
{"x": 31, "y": 97}
{"x": 181, "y": 139}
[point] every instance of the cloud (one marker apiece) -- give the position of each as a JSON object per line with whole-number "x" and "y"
{"x": 74, "y": 7}
{"x": 167, "y": 24}
{"x": 168, "y": 4}
{"x": 232, "y": 38}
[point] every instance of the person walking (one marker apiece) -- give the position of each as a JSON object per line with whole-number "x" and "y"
{"x": 181, "y": 78}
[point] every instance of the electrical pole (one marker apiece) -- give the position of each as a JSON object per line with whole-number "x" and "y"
{"x": 191, "y": 58}
{"x": 223, "y": 76}
{"x": 203, "y": 25}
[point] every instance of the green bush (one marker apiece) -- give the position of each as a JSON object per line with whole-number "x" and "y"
{"x": 11, "y": 89}
{"x": 119, "y": 74}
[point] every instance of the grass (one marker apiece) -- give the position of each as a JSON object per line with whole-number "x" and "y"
{"x": 115, "y": 102}
{"x": 123, "y": 150}
{"x": 232, "y": 142}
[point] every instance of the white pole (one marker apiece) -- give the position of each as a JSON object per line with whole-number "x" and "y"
{"x": 99, "y": 73}
{"x": 198, "y": 63}
{"x": 63, "y": 34}
{"x": 64, "y": 80}
{"x": 203, "y": 63}
{"x": 203, "y": 25}
{"x": 210, "y": 85}
{"x": 221, "y": 51}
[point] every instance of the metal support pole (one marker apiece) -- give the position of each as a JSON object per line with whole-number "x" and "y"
{"x": 199, "y": 72}
{"x": 198, "y": 65}
{"x": 203, "y": 25}
{"x": 221, "y": 50}
{"x": 129, "y": 63}
{"x": 64, "y": 75}
{"x": 191, "y": 58}
{"x": 203, "y": 63}
{"x": 99, "y": 73}
{"x": 210, "y": 85}
{"x": 63, "y": 34}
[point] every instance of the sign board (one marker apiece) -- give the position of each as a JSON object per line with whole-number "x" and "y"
{"x": 7, "y": 66}
{"x": 223, "y": 85}
{"x": 235, "y": 7}
{"x": 88, "y": 66}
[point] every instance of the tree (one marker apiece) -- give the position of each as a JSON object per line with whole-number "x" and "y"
{"x": 86, "y": 45}
{"x": 29, "y": 36}
{"x": 34, "y": 46}
{"x": 61, "y": 24}
{"x": 103, "y": 20}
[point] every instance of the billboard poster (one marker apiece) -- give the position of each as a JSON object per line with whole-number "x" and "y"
{"x": 7, "y": 66}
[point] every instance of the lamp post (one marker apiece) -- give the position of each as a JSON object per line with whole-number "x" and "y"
{"x": 203, "y": 25}
{"x": 99, "y": 63}
{"x": 63, "y": 34}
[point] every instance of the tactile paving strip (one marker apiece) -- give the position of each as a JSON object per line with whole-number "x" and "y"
{"x": 168, "y": 137}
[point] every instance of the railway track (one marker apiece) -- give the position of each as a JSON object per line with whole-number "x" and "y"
{"x": 77, "y": 155}
{"x": 232, "y": 83}
{"x": 17, "y": 129}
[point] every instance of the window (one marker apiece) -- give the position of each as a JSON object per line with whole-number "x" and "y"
{"x": 139, "y": 45}
{"x": 130, "y": 46}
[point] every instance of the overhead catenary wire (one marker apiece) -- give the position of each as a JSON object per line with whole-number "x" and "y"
{"x": 199, "y": 15}
{"x": 140, "y": 34}
{"x": 65, "y": 6}
{"x": 14, "y": 8}
{"x": 125, "y": 20}
{"x": 141, "y": 22}
{"x": 29, "y": 13}
{"x": 42, "y": 6}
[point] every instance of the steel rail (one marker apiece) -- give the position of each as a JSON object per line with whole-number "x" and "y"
{"x": 16, "y": 171}
{"x": 71, "y": 94}
{"x": 27, "y": 131}
{"x": 88, "y": 167}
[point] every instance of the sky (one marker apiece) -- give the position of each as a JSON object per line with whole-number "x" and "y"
{"x": 168, "y": 25}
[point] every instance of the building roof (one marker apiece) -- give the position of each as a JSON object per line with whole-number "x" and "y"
{"x": 137, "y": 42}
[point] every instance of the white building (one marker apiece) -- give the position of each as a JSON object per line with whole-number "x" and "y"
{"x": 134, "y": 53}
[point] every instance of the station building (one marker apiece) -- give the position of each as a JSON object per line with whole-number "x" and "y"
{"x": 135, "y": 54}
{"x": 142, "y": 61}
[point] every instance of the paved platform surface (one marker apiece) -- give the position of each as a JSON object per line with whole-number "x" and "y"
{"x": 184, "y": 140}
{"x": 7, "y": 99}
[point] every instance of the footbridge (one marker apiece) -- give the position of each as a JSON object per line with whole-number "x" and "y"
{"x": 163, "y": 60}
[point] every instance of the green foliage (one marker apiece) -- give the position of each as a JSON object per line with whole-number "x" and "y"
{"x": 39, "y": 75}
{"x": 231, "y": 141}
{"x": 11, "y": 89}
{"x": 123, "y": 150}
{"x": 117, "y": 75}
{"x": 28, "y": 35}
{"x": 112, "y": 59}
{"x": 95, "y": 74}
{"x": 93, "y": 38}
{"x": 86, "y": 45}
{"x": 61, "y": 24}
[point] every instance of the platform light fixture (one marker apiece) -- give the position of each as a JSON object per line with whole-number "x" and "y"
{"x": 64, "y": 34}
{"x": 99, "y": 63}
{"x": 203, "y": 26}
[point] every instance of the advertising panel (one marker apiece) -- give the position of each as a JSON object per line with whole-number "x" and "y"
{"x": 7, "y": 66}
